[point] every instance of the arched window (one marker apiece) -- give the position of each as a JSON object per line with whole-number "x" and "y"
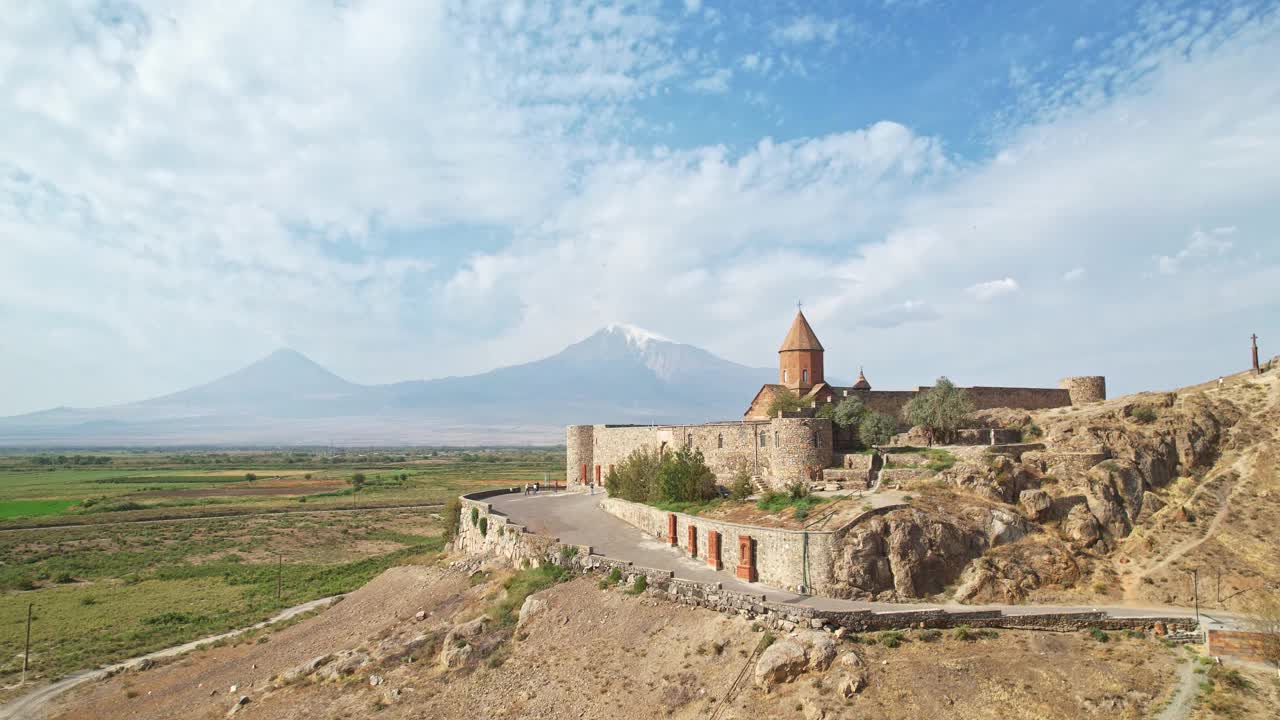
{"x": 784, "y": 375}
{"x": 762, "y": 439}
{"x": 688, "y": 440}
{"x": 720, "y": 441}
{"x": 776, "y": 442}
{"x": 815, "y": 439}
{"x": 804, "y": 376}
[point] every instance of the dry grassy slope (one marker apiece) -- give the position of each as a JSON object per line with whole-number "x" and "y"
{"x": 605, "y": 654}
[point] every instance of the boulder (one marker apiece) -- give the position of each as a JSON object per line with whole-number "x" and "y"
{"x": 1005, "y": 527}
{"x": 819, "y": 648}
{"x": 781, "y": 662}
{"x": 1036, "y": 503}
{"x": 533, "y": 605}
{"x": 1082, "y": 527}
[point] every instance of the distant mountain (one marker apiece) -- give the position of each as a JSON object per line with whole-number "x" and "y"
{"x": 619, "y": 374}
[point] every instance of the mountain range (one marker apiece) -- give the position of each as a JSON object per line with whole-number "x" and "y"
{"x": 620, "y": 374}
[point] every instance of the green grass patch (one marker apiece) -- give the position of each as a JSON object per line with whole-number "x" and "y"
{"x": 777, "y": 502}
{"x": 34, "y": 508}
{"x": 522, "y": 585}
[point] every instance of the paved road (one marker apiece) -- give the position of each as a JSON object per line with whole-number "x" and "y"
{"x": 578, "y": 519}
{"x": 35, "y": 703}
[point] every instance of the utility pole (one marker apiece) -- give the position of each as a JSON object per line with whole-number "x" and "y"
{"x": 26, "y": 653}
{"x": 1195, "y": 584}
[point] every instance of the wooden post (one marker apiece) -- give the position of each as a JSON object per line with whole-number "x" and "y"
{"x": 26, "y": 652}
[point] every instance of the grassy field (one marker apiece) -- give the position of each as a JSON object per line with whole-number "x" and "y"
{"x": 107, "y": 589}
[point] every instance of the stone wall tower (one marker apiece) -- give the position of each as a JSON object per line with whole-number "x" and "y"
{"x": 800, "y": 357}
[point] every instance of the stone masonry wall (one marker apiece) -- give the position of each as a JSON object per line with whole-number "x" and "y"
{"x": 780, "y": 554}
{"x": 519, "y": 547}
{"x": 725, "y": 446}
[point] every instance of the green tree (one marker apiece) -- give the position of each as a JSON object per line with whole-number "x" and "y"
{"x": 849, "y": 412}
{"x": 685, "y": 477}
{"x": 357, "y": 480}
{"x": 784, "y": 401}
{"x": 740, "y": 486}
{"x": 635, "y": 478}
{"x": 939, "y": 410}
{"x": 876, "y": 428}
{"x": 250, "y": 477}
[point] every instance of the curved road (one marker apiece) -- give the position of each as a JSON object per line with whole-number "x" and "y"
{"x": 577, "y": 518}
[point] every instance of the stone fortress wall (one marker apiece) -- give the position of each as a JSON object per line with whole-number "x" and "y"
{"x": 781, "y": 450}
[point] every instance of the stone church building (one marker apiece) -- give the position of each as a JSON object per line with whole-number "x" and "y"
{"x": 790, "y": 446}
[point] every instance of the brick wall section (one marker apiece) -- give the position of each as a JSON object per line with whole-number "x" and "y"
{"x": 1237, "y": 644}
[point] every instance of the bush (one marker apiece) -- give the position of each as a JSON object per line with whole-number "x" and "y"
{"x": 649, "y": 477}
{"x": 740, "y": 487}
{"x": 784, "y": 401}
{"x": 250, "y": 477}
{"x": 1031, "y": 431}
{"x": 798, "y": 489}
{"x": 766, "y": 640}
{"x": 1144, "y": 414}
{"x": 484, "y": 526}
{"x": 475, "y": 517}
{"x": 522, "y": 585}
{"x": 452, "y": 518}
{"x": 962, "y": 633}
{"x": 639, "y": 586}
{"x": 891, "y": 638}
{"x": 930, "y": 635}
{"x": 876, "y": 429}
{"x": 613, "y": 578}
{"x": 357, "y": 480}
{"x": 1099, "y": 634}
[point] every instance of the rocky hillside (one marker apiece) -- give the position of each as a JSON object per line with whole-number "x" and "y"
{"x": 445, "y": 643}
{"x": 1117, "y": 500}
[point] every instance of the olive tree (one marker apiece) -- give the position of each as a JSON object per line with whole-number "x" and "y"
{"x": 939, "y": 410}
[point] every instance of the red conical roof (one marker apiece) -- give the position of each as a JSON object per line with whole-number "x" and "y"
{"x": 800, "y": 336}
{"x": 862, "y": 383}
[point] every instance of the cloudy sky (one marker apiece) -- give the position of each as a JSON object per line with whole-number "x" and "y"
{"x": 1003, "y": 193}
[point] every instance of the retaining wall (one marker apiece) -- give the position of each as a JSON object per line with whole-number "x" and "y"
{"x": 781, "y": 555}
{"x": 520, "y": 547}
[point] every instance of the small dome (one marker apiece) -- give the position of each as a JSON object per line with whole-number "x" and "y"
{"x": 862, "y": 383}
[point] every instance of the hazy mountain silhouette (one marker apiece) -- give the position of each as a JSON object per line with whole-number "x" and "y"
{"x": 619, "y": 374}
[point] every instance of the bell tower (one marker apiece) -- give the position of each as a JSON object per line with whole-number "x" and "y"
{"x": 800, "y": 357}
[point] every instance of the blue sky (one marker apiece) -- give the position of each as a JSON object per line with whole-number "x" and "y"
{"x": 1005, "y": 193}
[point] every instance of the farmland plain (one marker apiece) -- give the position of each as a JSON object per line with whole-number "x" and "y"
{"x": 147, "y": 550}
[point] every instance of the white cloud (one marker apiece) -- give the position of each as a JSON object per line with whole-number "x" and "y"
{"x": 223, "y": 200}
{"x": 1201, "y": 246}
{"x": 716, "y": 83}
{"x": 1073, "y": 274}
{"x": 992, "y": 288}
{"x": 807, "y": 29}
{"x": 692, "y": 6}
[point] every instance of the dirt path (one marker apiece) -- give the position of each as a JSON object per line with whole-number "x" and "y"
{"x": 1184, "y": 697}
{"x": 223, "y": 516}
{"x": 35, "y": 703}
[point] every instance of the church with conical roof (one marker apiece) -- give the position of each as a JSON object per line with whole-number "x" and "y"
{"x": 801, "y": 371}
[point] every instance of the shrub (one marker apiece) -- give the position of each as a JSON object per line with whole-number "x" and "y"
{"x": 929, "y": 635}
{"x": 649, "y": 477}
{"x": 64, "y": 578}
{"x": 475, "y": 517}
{"x": 876, "y": 429}
{"x": 357, "y": 480}
{"x": 522, "y": 585}
{"x": 798, "y": 489}
{"x": 613, "y": 578}
{"x": 1031, "y": 431}
{"x": 484, "y": 526}
{"x": 635, "y": 477}
{"x": 639, "y": 586}
{"x": 765, "y": 641}
{"x": 784, "y": 401}
{"x": 1144, "y": 414}
{"x": 740, "y": 487}
{"x": 962, "y": 633}
{"x": 452, "y": 518}
{"x": 567, "y": 552}
{"x": 891, "y": 638}
{"x": 250, "y": 477}
{"x": 1099, "y": 634}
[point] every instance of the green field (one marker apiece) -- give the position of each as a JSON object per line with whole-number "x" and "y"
{"x": 34, "y": 508}
{"x": 106, "y": 588}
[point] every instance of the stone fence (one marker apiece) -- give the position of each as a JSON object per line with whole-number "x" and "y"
{"x": 507, "y": 541}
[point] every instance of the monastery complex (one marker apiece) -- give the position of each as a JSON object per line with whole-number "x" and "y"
{"x": 791, "y": 446}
